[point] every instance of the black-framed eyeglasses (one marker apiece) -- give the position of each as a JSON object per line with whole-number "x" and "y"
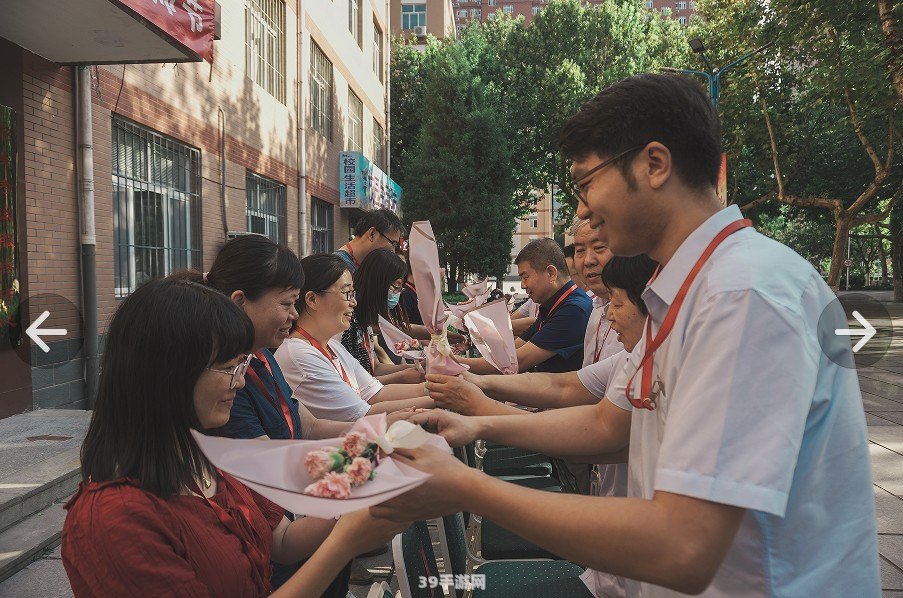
{"x": 237, "y": 372}
{"x": 579, "y": 188}
{"x": 349, "y": 295}
{"x": 396, "y": 245}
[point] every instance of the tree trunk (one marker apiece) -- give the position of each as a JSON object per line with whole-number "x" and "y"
{"x": 896, "y": 252}
{"x": 842, "y": 229}
{"x": 893, "y": 39}
{"x": 882, "y": 255}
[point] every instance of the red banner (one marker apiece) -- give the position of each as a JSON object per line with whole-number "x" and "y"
{"x": 189, "y": 22}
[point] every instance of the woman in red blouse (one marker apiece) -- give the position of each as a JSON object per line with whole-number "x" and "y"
{"x": 152, "y": 516}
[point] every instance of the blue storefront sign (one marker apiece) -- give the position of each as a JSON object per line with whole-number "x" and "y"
{"x": 364, "y": 185}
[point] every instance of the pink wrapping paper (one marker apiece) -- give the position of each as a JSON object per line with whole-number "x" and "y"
{"x": 275, "y": 469}
{"x": 394, "y": 336}
{"x": 476, "y": 294}
{"x": 424, "y": 259}
{"x": 491, "y": 333}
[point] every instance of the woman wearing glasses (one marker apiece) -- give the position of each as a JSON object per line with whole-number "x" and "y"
{"x": 152, "y": 516}
{"x": 322, "y": 373}
{"x": 378, "y": 284}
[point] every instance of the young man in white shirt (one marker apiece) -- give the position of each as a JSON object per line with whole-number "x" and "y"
{"x": 749, "y": 469}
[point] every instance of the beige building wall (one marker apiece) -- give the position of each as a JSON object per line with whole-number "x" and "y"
{"x": 326, "y": 24}
{"x": 440, "y": 19}
{"x": 537, "y": 225}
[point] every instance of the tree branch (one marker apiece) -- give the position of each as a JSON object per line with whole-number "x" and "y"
{"x": 857, "y": 126}
{"x": 877, "y": 218}
{"x": 774, "y": 148}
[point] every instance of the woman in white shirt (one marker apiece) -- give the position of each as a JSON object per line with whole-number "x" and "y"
{"x": 322, "y": 374}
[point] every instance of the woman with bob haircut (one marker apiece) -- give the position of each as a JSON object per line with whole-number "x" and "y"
{"x": 321, "y": 372}
{"x": 152, "y": 516}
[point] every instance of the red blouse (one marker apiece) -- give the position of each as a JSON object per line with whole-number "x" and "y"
{"x": 120, "y": 540}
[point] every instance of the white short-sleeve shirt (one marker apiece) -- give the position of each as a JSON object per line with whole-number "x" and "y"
{"x": 316, "y": 382}
{"x": 596, "y": 378}
{"x": 599, "y": 335}
{"x": 529, "y": 309}
{"x": 753, "y": 414}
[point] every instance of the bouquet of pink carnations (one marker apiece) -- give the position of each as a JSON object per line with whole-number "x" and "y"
{"x": 338, "y": 469}
{"x": 404, "y": 345}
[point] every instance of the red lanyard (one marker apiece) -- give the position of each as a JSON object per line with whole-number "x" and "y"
{"x": 340, "y": 369}
{"x": 646, "y": 400}
{"x": 241, "y": 530}
{"x": 411, "y": 286}
{"x": 351, "y": 253}
{"x": 600, "y": 346}
{"x": 283, "y": 404}
{"x": 555, "y": 305}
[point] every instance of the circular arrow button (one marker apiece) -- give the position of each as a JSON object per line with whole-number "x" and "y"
{"x": 53, "y": 328}
{"x": 855, "y": 330}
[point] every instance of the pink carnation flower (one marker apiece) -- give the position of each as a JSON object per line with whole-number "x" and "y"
{"x": 320, "y": 462}
{"x": 333, "y": 485}
{"x": 359, "y": 470}
{"x": 401, "y": 346}
{"x": 355, "y": 443}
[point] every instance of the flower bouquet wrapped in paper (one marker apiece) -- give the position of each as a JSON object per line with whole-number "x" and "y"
{"x": 424, "y": 259}
{"x": 491, "y": 333}
{"x": 477, "y": 294}
{"x": 400, "y": 343}
{"x": 343, "y": 475}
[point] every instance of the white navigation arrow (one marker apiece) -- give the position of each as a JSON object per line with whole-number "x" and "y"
{"x": 867, "y": 333}
{"x": 34, "y": 332}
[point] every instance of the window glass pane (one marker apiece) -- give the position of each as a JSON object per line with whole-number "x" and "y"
{"x": 265, "y": 45}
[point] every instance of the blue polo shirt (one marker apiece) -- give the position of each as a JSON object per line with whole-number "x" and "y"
{"x": 256, "y": 413}
{"x": 561, "y": 331}
{"x": 346, "y": 257}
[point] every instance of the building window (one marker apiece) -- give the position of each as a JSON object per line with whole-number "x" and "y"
{"x": 266, "y": 206}
{"x": 354, "y": 20}
{"x": 534, "y": 222}
{"x": 462, "y": 13}
{"x": 508, "y": 9}
{"x": 355, "y": 123}
{"x": 460, "y": 29}
{"x": 156, "y": 206}
{"x": 491, "y": 2}
{"x": 378, "y": 51}
{"x": 474, "y": 13}
{"x": 320, "y": 92}
{"x": 321, "y": 233}
{"x": 682, "y": 5}
{"x": 413, "y": 15}
{"x": 379, "y": 145}
{"x": 265, "y": 45}
{"x": 648, "y": 3}
{"x": 692, "y": 4}
{"x": 665, "y": 11}
{"x": 491, "y": 16}
{"x": 536, "y": 10}
{"x": 682, "y": 20}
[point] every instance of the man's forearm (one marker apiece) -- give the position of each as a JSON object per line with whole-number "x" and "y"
{"x": 575, "y": 431}
{"x": 631, "y": 537}
{"x": 478, "y": 365}
{"x": 544, "y": 390}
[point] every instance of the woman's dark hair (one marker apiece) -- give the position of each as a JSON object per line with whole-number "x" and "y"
{"x": 158, "y": 344}
{"x": 372, "y": 280}
{"x": 254, "y": 264}
{"x": 630, "y": 274}
{"x": 320, "y": 272}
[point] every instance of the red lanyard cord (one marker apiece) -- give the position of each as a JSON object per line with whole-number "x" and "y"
{"x": 555, "y": 306}
{"x": 331, "y": 357}
{"x": 646, "y": 400}
{"x": 600, "y": 346}
{"x": 282, "y": 405}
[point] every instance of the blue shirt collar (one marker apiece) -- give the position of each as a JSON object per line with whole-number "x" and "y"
{"x": 547, "y": 305}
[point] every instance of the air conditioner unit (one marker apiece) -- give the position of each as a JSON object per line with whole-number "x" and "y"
{"x": 420, "y": 31}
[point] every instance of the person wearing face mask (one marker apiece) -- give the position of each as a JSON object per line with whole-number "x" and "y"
{"x": 320, "y": 371}
{"x": 377, "y": 285}
{"x": 591, "y": 253}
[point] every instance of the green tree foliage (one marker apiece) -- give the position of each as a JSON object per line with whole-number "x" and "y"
{"x": 814, "y": 122}
{"x": 460, "y": 167}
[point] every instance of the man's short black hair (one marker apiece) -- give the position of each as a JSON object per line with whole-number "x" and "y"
{"x": 569, "y": 250}
{"x": 384, "y": 221}
{"x": 542, "y": 253}
{"x": 669, "y": 109}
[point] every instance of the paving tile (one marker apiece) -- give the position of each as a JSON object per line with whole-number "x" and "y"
{"x": 890, "y": 437}
{"x": 891, "y": 576}
{"x": 872, "y": 402}
{"x": 886, "y": 468}
{"x": 882, "y": 375}
{"x": 881, "y": 389}
{"x": 890, "y": 512}
{"x": 892, "y": 548}
{"x": 879, "y": 418}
